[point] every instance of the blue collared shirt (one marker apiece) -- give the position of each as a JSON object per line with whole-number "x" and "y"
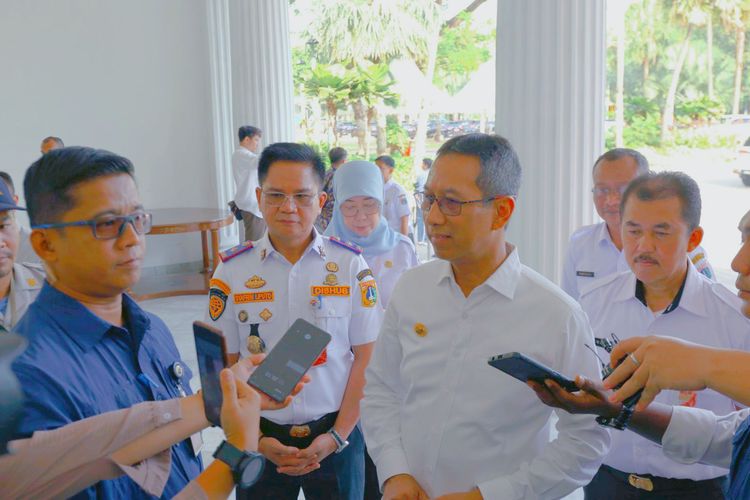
{"x": 78, "y": 365}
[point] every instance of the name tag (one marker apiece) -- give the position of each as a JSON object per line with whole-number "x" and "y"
{"x": 585, "y": 274}
{"x": 245, "y": 298}
{"x": 330, "y": 291}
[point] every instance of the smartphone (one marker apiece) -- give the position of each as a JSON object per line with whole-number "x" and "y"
{"x": 211, "y": 348}
{"x": 289, "y": 360}
{"x": 524, "y": 368}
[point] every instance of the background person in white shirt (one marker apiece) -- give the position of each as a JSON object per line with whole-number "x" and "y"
{"x": 245, "y": 172}
{"x": 687, "y": 435}
{"x": 663, "y": 295}
{"x": 595, "y": 251}
{"x": 396, "y": 205}
{"x": 438, "y": 420}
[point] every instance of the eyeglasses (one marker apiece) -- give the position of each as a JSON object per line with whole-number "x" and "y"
{"x": 600, "y": 192}
{"x": 368, "y": 208}
{"x": 108, "y": 227}
{"x": 276, "y": 199}
{"x": 448, "y": 206}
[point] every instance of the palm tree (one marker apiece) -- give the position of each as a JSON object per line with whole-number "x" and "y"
{"x": 689, "y": 13}
{"x": 329, "y": 85}
{"x": 735, "y": 15}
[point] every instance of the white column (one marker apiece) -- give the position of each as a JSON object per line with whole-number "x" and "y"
{"x": 550, "y": 98}
{"x": 220, "y": 60}
{"x": 262, "y": 89}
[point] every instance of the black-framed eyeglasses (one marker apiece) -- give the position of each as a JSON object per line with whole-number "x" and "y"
{"x": 107, "y": 227}
{"x": 448, "y": 206}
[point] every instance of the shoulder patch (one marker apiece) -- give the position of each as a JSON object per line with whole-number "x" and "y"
{"x": 235, "y": 251}
{"x": 346, "y": 244}
{"x": 217, "y": 283}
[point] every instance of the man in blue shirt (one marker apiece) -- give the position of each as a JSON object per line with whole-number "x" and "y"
{"x": 92, "y": 349}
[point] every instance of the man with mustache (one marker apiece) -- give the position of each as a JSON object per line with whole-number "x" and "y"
{"x": 595, "y": 251}
{"x": 19, "y": 282}
{"x": 92, "y": 349}
{"x": 663, "y": 294}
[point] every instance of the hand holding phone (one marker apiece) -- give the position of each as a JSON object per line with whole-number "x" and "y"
{"x": 211, "y": 349}
{"x": 523, "y": 368}
{"x": 289, "y": 360}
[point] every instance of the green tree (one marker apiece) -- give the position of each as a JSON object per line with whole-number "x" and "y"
{"x": 329, "y": 85}
{"x": 461, "y": 50}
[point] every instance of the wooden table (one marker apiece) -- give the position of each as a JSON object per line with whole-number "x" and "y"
{"x": 185, "y": 220}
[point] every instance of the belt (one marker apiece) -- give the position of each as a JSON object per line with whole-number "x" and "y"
{"x": 649, "y": 482}
{"x": 300, "y": 435}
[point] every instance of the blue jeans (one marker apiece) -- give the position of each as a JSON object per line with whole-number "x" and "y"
{"x": 341, "y": 477}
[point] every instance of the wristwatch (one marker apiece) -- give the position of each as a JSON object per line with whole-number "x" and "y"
{"x": 341, "y": 443}
{"x": 246, "y": 466}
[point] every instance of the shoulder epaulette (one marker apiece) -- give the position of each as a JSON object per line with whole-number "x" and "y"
{"x": 346, "y": 244}
{"x": 235, "y": 251}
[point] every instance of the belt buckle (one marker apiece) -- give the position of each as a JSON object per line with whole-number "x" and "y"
{"x": 300, "y": 431}
{"x": 641, "y": 483}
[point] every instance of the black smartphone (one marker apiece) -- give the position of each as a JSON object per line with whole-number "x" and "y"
{"x": 524, "y": 369}
{"x": 211, "y": 348}
{"x": 289, "y": 360}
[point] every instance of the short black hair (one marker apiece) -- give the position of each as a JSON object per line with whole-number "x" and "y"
{"x": 248, "y": 131}
{"x": 337, "y": 154}
{"x": 657, "y": 186}
{"x": 428, "y": 162}
{"x": 57, "y": 140}
{"x": 48, "y": 180}
{"x": 290, "y": 151}
{"x": 618, "y": 153}
{"x": 5, "y": 176}
{"x": 387, "y": 160}
{"x": 500, "y": 173}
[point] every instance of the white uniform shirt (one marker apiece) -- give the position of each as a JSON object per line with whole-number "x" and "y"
{"x": 395, "y": 204}
{"x": 592, "y": 255}
{"x": 435, "y": 409}
{"x": 245, "y": 172}
{"x": 262, "y": 287}
{"x": 24, "y": 287}
{"x": 708, "y": 314}
{"x": 389, "y": 266}
{"x": 695, "y": 435}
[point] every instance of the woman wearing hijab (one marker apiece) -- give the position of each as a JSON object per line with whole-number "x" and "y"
{"x": 358, "y": 218}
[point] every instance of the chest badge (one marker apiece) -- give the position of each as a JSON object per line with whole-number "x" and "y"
{"x": 331, "y": 280}
{"x": 265, "y": 314}
{"x": 31, "y": 282}
{"x": 255, "y": 344}
{"x": 420, "y": 329}
{"x": 332, "y": 267}
{"x": 255, "y": 282}
{"x": 388, "y": 264}
{"x": 242, "y": 316}
{"x": 585, "y": 274}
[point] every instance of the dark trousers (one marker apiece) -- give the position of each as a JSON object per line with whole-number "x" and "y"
{"x": 612, "y": 484}
{"x": 340, "y": 477}
{"x": 254, "y": 226}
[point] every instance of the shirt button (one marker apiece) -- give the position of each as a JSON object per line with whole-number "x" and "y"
{"x": 167, "y": 416}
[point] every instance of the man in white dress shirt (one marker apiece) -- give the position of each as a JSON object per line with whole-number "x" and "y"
{"x": 439, "y": 420}
{"x": 395, "y": 203}
{"x": 663, "y": 295}
{"x": 245, "y": 172}
{"x": 688, "y": 435}
{"x": 595, "y": 251}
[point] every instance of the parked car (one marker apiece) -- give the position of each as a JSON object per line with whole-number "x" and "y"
{"x": 743, "y": 162}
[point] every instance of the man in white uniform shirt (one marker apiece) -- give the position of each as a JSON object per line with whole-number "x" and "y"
{"x": 438, "y": 419}
{"x": 395, "y": 204}
{"x": 292, "y": 272}
{"x": 245, "y": 172}
{"x": 663, "y": 295}
{"x": 595, "y": 251}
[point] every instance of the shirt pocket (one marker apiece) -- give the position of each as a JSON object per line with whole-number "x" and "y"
{"x": 333, "y": 315}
